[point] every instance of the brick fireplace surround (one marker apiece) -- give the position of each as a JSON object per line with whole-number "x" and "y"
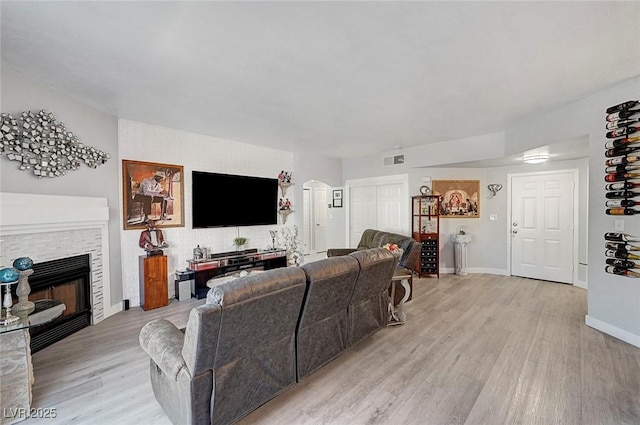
{"x": 48, "y": 227}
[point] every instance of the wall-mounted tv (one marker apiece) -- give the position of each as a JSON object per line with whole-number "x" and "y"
{"x": 221, "y": 200}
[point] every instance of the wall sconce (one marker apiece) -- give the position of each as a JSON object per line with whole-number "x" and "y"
{"x": 494, "y": 188}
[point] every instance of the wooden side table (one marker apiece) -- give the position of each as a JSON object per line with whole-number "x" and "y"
{"x": 154, "y": 286}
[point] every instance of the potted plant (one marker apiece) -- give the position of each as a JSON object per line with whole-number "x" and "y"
{"x": 240, "y": 242}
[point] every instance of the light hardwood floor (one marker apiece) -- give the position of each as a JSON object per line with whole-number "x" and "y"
{"x": 478, "y": 350}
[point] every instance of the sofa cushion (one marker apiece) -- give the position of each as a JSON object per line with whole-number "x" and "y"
{"x": 368, "y": 309}
{"x": 323, "y": 331}
{"x": 367, "y": 239}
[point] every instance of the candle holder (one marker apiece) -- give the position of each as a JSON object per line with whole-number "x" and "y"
{"x": 273, "y": 239}
{"x": 23, "y": 265}
{"x": 8, "y": 277}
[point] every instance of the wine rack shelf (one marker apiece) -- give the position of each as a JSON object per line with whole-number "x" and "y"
{"x": 425, "y": 217}
{"x": 622, "y": 152}
{"x": 622, "y": 177}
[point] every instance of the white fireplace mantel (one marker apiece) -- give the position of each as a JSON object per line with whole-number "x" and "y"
{"x": 24, "y": 214}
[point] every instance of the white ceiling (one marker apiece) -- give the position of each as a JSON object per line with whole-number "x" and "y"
{"x": 342, "y": 79}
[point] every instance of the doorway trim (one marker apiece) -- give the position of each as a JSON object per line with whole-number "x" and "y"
{"x": 576, "y": 182}
{"x": 402, "y": 179}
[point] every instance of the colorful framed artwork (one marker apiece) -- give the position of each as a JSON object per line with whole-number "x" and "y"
{"x": 152, "y": 191}
{"x": 459, "y": 198}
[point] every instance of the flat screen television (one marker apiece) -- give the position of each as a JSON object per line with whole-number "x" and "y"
{"x": 222, "y": 200}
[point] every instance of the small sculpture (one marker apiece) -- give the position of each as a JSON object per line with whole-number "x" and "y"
{"x": 285, "y": 176}
{"x": 152, "y": 239}
{"x": 284, "y": 204}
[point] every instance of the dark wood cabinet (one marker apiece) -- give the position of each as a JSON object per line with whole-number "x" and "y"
{"x": 154, "y": 289}
{"x": 425, "y": 217}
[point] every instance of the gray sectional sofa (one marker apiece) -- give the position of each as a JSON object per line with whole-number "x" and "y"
{"x": 409, "y": 261}
{"x": 260, "y": 334}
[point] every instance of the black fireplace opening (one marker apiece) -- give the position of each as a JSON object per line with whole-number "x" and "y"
{"x": 67, "y": 280}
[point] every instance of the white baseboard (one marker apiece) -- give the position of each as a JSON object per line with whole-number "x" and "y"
{"x": 614, "y": 331}
{"x": 580, "y": 284}
{"x": 114, "y": 309}
{"x": 476, "y": 270}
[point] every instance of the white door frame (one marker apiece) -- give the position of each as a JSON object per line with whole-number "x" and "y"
{"x": 402, "y": 179}
{"x": 576, "y": 207}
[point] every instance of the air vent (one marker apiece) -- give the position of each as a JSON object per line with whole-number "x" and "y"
{"x": 393, "y": 160}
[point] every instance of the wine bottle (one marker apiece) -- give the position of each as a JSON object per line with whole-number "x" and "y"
{"x": 617, "y": 203}
{"x": 621, "y": 168}
{"x": 621, "y": 194}
{"x": 614, "y": 125}
{"x": 621, "y": 246}
{"x": 621, "y": 271}
{"x": 622, "y": 186}
{"x": 624, "y": 141}
{"x": 622, "y": 211}
{"x": 624, "y": 106}
{"x": 625, "y": 131}
{"x": 618, "y": 177}
{"x": 620, "y": 237}
{"x": 622, "y": 115}
{"x": 623, "y": 255}
{"x": 621, "y": 150}
{"x": 622, "y": 263}
{"x": 622, "y": 160}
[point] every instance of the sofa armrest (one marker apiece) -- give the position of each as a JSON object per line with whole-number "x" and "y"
{"x": 336, "y": 252}
{"x": 163, "y": 341}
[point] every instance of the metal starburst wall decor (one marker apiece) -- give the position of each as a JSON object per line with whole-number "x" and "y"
{"x": 42, "y": 144}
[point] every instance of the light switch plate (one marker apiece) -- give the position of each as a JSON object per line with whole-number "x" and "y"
{"x": 619, "y": 225}
{"x": 493, "y": 217}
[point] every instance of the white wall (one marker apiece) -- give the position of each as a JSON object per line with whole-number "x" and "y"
{"x": 144, "y": 142}
{"x": 613, "y": 301}
{"x": 93, "y": 128}
{"x": 329, "y": 171}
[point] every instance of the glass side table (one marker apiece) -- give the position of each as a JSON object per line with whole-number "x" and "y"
{"x": 16, "y": 369}
{"x": 43, "y": 312}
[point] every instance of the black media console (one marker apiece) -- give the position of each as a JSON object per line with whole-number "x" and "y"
{"x": 226, "y": 263}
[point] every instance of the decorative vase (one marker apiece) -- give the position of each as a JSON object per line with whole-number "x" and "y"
{"x": 23, "y": 265}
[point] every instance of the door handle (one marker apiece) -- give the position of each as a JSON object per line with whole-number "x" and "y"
{"x": 514, "y": 231}
{"x": 515, "y": 223}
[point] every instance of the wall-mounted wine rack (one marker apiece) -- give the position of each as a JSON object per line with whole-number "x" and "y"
{"x": 622, "y": 177}
{"x": 622, "y": 254}
{"x": 623, "y": 158}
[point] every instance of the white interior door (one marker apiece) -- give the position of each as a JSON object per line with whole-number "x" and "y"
{"x": 320, "y": 219}
{"x": 542, "y": 226}
{"x": 362, "y": 212}
{"x": 306, "y": 223}
{"x": 389, "y": 205}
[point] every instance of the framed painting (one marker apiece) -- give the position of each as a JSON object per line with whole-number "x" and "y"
{"x": 337, "y": 198}
{"x": 459, "y": 198}
{"x": 152, "y": 191}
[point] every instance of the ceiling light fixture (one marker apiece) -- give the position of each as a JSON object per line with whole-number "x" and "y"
{"x": 535, "y": 158}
